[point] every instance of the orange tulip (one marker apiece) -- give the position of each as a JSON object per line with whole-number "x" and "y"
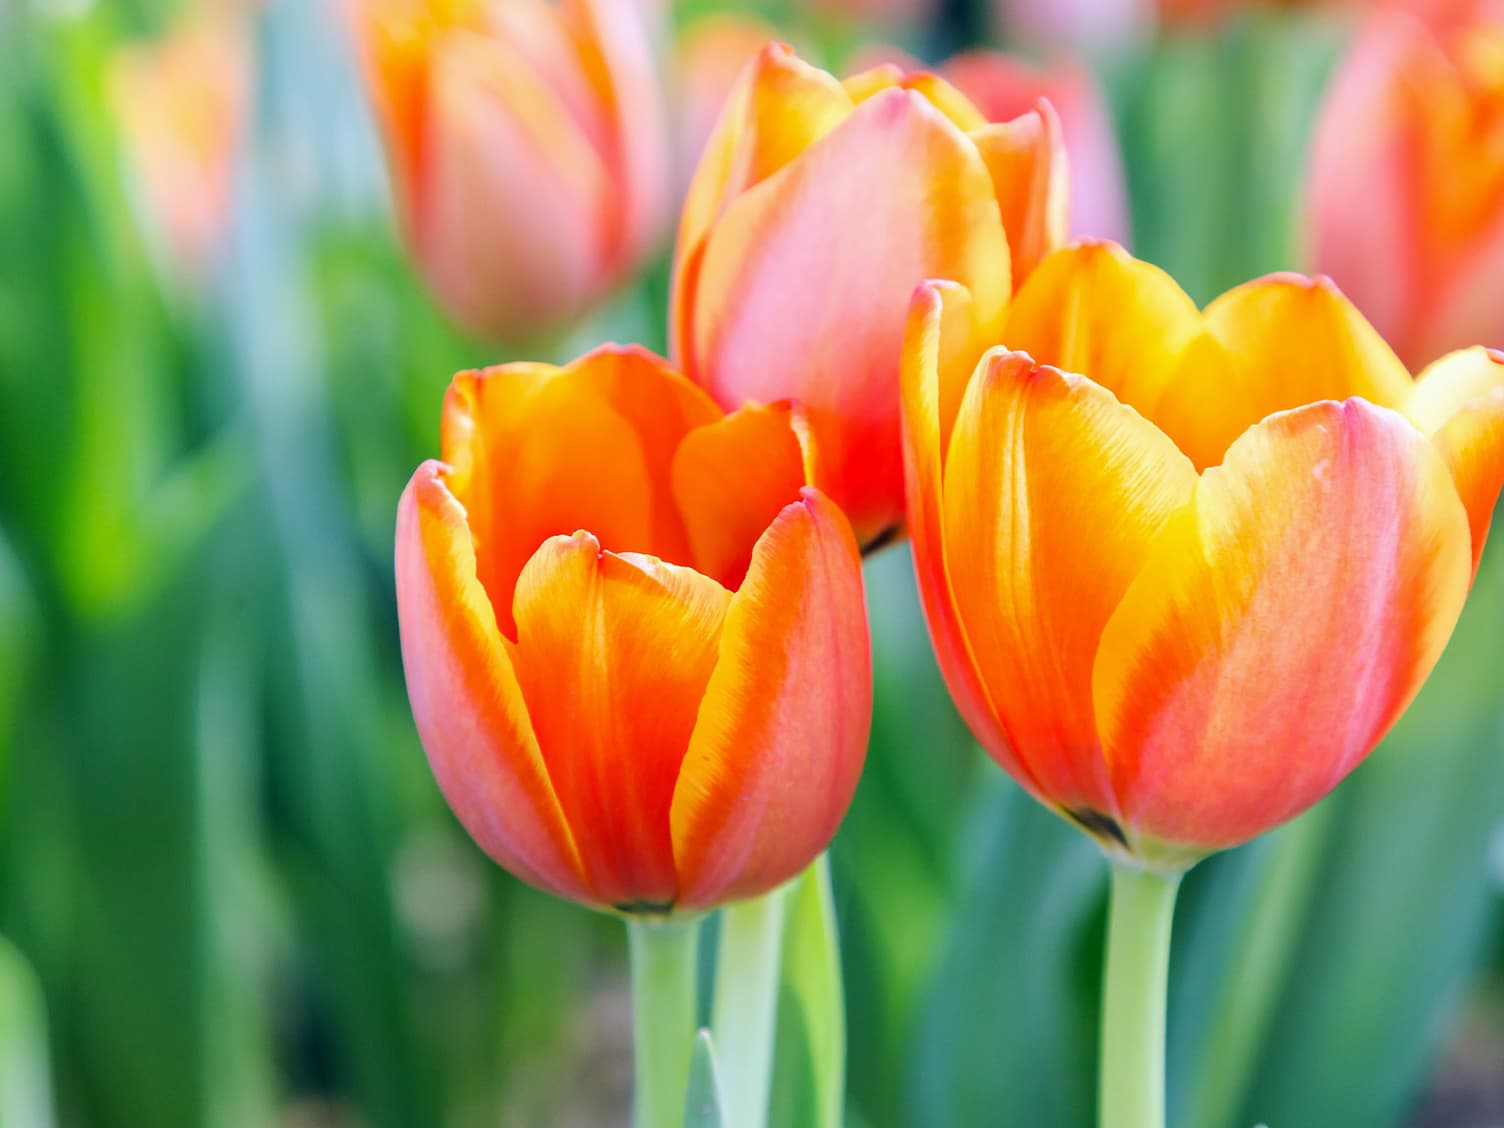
{"x": 1183, "y": 569}
{"x": 180, "y": 105}
{"x": 1406, "y": 189}
{"x": 818, "y": 207}
{"x": 710, "y": 55}
{"x": 527, "y": 146}
{"x": 646, "y": 732}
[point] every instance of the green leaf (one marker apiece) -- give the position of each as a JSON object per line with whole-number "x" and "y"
{"x": 702, "y": 1104}
{"x": 25, "y": 1085}
{"x": 809, "y": 1088}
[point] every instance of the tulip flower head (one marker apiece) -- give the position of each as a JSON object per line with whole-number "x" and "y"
{"x": 710, "y": 55}
{"x": 634, "y": 636}
{"x": 817, "y": 208}
{"x": 1183, "y": 569}
{"x": 528, "y": 150}
{"x": 1406, "y": 186}
{"x": 181, "y": 104}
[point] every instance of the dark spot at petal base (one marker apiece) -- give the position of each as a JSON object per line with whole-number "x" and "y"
{"x": 1097, "y": 824}
{"x": 644, "y": 908}
{"x": 882, "y": 540}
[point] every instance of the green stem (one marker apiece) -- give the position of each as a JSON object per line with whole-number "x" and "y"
{"x": 746, "y": 1005}
{"x": 663, "y": 1016}
{"x": 1132, "y": 1081}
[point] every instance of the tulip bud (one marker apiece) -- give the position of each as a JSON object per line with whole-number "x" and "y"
{"x": 180, "y": 105}
{"x": 710, "y": 55}
{"x": 817, "y": 208}
{"x": 1183, "y": 569}
{"x": 528, "y": 151}
{"x": 634, "y": 636}
{"x": 1406, "y": 185}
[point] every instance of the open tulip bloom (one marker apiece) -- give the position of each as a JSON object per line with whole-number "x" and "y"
{"x": 636, "y": 650}
{"x": 1183, "y": 569}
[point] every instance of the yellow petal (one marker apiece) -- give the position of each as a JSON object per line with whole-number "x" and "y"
{"x": 1458, "y": 403}
{"x": 1053, "y": 493}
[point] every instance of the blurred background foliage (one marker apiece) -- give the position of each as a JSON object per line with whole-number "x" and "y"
{"x": 230, "y": 893}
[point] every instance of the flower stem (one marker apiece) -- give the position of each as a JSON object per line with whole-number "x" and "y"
{"x": 663, "y": 1017}
{"x": 746, "y": 1005}
{"x": 1132, "y": 1080}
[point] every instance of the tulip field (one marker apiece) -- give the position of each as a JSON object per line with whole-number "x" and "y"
{"x": 802, "y": 564}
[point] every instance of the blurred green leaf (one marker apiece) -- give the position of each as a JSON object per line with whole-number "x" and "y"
{"x": 25, "y": 1085}
{"x": 702, "y": 1106}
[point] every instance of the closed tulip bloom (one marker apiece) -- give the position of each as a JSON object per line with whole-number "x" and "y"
{"x": 634, "y": 636}
{"x": 1183, "y": 569}
{"x": 817, "y": 208}
{"x": 710, "y": 55}
{"x": 1406, "y": 185}
{"x": 528, "y": 150}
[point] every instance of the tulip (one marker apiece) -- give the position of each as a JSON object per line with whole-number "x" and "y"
{"x": 1406, "y": 183}
{"x": 1183, "y": 569}
{"x": 180, "y": 104}
{"x": 817, "y": 208}
{"x": 652, "y": 733}
{"x": 527, "y": 146}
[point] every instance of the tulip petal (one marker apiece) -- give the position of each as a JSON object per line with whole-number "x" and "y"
{"x": 1283, "y": 620}
{"x": 731, "y": 479}
{"x": 793, "y": 253}
{"x": 1287, "y": 341}
{"x": 939, "y": 348}
{"x": 938, "y": 92}
{"x": 613, "y": 655}
{"x": 465, "y": 697}
{"x": 782, "y": 734}
{"x": 1458, "y": 403}
{"x": 585, "y": 446}
{"x": 1030, "y": 174}
{"x": 1094, "y": 309}
{"x": 1053, "y": 494}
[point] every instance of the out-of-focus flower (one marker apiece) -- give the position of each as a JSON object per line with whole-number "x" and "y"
{"x": 1183, "y": 570}
{"x": 1073, "y": 25}
{"x": 180, "y": 104}
{"x": 649, "y": 732}
{"x": 892, "y": 14}
{"x": 527, "y": 146}
{"x": 817, "y": 208}
{"x": 710, "y": 55}
{"x": 1004, "y": 86}
{"x": 1406, "y": 188}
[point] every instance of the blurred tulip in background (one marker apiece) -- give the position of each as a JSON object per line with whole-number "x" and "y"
{"x": 181, "y": 103}
{"x": 531, "y": 647}
{"x": 1184, "y": 570}
{"x": 528, "y": 150}
{"x": 817, "y": 208}
{"x": 710, "y": 54}
{"x": 1406, "y": 178}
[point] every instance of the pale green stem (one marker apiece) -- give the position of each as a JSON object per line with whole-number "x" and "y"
{"x": 745, "y": 1009}
{"x": 663, "y": 1017}
{"x": 1132, "y": 1080}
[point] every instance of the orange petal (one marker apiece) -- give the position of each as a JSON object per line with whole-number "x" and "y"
{"x": 800, "y": 295}
{"x": 541, "y": 451}
{"x": 465, "y": 698}
{"x": 936, "y": 90}
{"x": 731, "y": 479}
{"x": 1093, "y": 308}
{"x": 783, "y": 730}
{"x": 1458, "y": 403}
{"x": 1282, "y": 622}
{"x": 939, "y": 348}
{"x": 1287, "y": 341}
{"x": 613, "y": 655}
{"x": 1030, "y": 174}
{"x": 1053, "y": 493}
